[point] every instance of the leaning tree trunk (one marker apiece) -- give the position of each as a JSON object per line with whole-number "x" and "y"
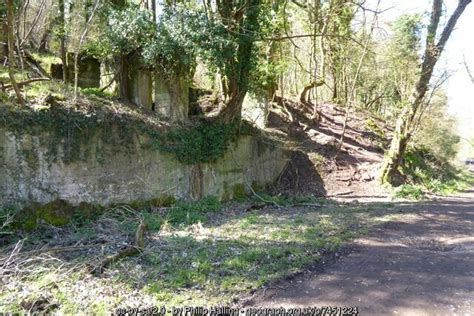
{"x": 11, "y": 52}
{"x": 431, "y": 55}
{"x": 397, "y": 149}
{"x": 232, "y": 110}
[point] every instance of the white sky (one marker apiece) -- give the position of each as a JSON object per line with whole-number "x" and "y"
{"x": 459, "y": 88}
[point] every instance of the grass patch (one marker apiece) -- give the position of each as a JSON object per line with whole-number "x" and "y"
{"x": 202, "y": 256}
{"x": 424, "y": 172}
{"x": 19, "y": 75}
{"x": 463, "y": 181}
{"x": 409, "y": 191}
{"x": 97, "y": 92}
{"x": 46, "y": 60}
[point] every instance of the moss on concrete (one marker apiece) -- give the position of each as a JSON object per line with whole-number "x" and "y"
{"x": 60, "y": 212}
{"x": 56, "y": 213}
{"x": 238, "y": 191}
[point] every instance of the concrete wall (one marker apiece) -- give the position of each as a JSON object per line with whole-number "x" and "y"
{"x": 141, "y": 86}
{"x": 89, "y": 71}
{"x": 255, "y": 109}
{"x": 29, "y": 174}
{"x": 172, "y": 97}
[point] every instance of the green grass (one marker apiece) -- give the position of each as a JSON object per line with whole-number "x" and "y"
{"x": 425, "y": 172}
{"x": 5, "y": 78}
{"x": 96, "y": 92}
{"x": 410, "y": 191}
{"x": 46, "y": 60}
{"x": 457, "y": 183}
{"x": 463, "y": 181}
{"x": 201, "y": 255}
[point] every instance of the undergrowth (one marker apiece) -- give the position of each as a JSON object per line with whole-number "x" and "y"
{"x": 424, "y": 172}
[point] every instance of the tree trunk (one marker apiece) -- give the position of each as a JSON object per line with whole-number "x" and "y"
{"x": 396, "y": 152}
{"x": 242, "y": 20}
{"x": 88, "y": 23}
{"x": 11, "y": 52}
{"x": 124, "y": 79}
{"x": 233, "y": 109}
{"x": 306, "y": 89}
{"x": 62, "y": 40}
{"x": 153, "y": 9}
{"x": 431, "y": 55}
{"x": 4, "y": 39}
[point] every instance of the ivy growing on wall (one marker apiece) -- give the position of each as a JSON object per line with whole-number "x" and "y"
{"x": 199, "y": 142}
{"x": 75, "y": 134}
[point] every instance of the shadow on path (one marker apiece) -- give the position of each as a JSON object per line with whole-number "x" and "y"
{"x": 421, "y": 264}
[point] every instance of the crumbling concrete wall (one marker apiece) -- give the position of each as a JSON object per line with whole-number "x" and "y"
{"x": 29, "y": 174}
{"x": 89, "y": 71}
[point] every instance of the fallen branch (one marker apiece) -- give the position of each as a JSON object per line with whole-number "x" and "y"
{"x": 128, "y": 251}
{"x": 340, "y": 193}
{"x": 24, "y": 83}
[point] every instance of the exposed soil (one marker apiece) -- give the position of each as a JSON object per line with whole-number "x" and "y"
{"x": 316, "y": 166}
{"x": 420, "y": 264}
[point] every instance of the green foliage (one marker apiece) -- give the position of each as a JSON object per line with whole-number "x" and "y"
{"x": 3, "y": 7}
{"x": 387, "y": 86}
{"x": 72, "y": 130}
{"x": 425, "y": 170}
{"x": 444, "y": 142}
{"x": 409, "y": 191}
{"x": 182, "y": 213}
{"x": 199, "y": 142}
{"x": 129, "y": 30}
{"x": 403, "y": 58}
{"x": 96, "y": 92}
{"x": 406, "y": 35}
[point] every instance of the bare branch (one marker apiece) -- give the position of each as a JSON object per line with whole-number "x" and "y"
{"x": 468, "y": 70}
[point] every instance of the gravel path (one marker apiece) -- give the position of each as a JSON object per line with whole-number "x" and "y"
{"x": 421, "y": 264}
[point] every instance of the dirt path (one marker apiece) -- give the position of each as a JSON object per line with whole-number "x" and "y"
{"x": 422, "y": 264}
